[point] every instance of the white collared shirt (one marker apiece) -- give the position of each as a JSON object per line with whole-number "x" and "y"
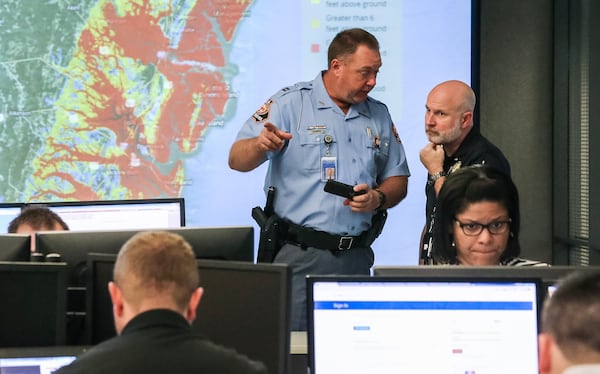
{"x": 583, "y": 369}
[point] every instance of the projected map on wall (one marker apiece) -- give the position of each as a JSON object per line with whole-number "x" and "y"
{"x": 126, "y": 99}
{"x": 116, "y": 103}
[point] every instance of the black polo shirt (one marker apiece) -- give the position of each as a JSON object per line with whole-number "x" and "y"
{"x": 474, "y": 150}
{"x": 161, "y": 341}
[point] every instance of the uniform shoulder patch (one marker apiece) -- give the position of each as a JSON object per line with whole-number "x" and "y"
{"x": 262, "y": 113}
{"x": 395, "y": 131}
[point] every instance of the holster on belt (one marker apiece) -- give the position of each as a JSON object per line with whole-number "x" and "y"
{"x": 270, "y": 239}
{"x": 377, "y": 223}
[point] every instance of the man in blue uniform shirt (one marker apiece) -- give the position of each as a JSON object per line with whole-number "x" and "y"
{"x": 328, "y": 128}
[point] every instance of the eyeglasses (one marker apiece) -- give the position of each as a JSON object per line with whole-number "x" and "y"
{"x": 475, "y": 228}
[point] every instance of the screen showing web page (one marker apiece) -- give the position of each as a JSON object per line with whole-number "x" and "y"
{"x": 424, "y": 327}
{"x": 125, "y": 216}
{"x": 34, "y": 365}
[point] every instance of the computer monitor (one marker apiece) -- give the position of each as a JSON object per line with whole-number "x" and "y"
{"x": 227, "y": 243}
{"x": 548, "y": 275}
{"x": 33, "y": 307}
{"x": 426, "y": 325}
{"x": 15, "y": 247}
{"x": 222, "y": 243}
{"x": 120, "y": 214}
{"x": 244, "y": 306}
{"x": 8, "y": 212}
{"x": 38, "y": 360}
{"x": 99, "y": 321}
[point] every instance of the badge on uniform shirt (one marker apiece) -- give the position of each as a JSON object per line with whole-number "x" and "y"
{"x": 262, "y": 113}
{"x": 455, "y": 167}
{"x": 328, "y": 168}
{"x": 316, "y": 129}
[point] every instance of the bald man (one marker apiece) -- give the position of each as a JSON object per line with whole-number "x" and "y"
{"x": 454, "y": 142}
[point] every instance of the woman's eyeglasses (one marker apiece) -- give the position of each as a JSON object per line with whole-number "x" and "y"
{"x": 476, "y": 228}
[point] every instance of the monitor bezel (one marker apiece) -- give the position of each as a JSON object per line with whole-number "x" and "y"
{"x": 46, "y": 351}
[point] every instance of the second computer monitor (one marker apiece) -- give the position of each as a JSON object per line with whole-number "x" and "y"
{"x": 548, "y": 275}
{"x": 246, "y": 306}
{"x": 15, "y": 247}
{"x": 135, "y": 214}
{"x": 33, "y": 297}
{"x": 220, "y": 243}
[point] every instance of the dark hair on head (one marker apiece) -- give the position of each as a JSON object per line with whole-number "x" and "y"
{"x": 38, "y": 217}
{"x": 347, "y": 41}
{"x": 465, "y": 186}
{"x": 572, "y": 315}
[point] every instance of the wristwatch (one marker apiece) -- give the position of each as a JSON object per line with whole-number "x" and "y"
{"x": 434, "y": 177}
{"x": 381, "y": 198}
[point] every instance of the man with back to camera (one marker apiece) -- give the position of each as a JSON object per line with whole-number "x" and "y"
{"x": 454, "y": 142}
{"x": 570, "y": 339}
{"x": 155, "y": 295}
{"x": 36, "y": 218}
{"x": 328, "y": 128}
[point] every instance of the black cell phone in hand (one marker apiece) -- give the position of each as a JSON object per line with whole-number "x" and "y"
{"x": 342, "y": 189}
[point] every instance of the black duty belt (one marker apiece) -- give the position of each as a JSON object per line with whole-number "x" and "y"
{"x": 306, "y": 237}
